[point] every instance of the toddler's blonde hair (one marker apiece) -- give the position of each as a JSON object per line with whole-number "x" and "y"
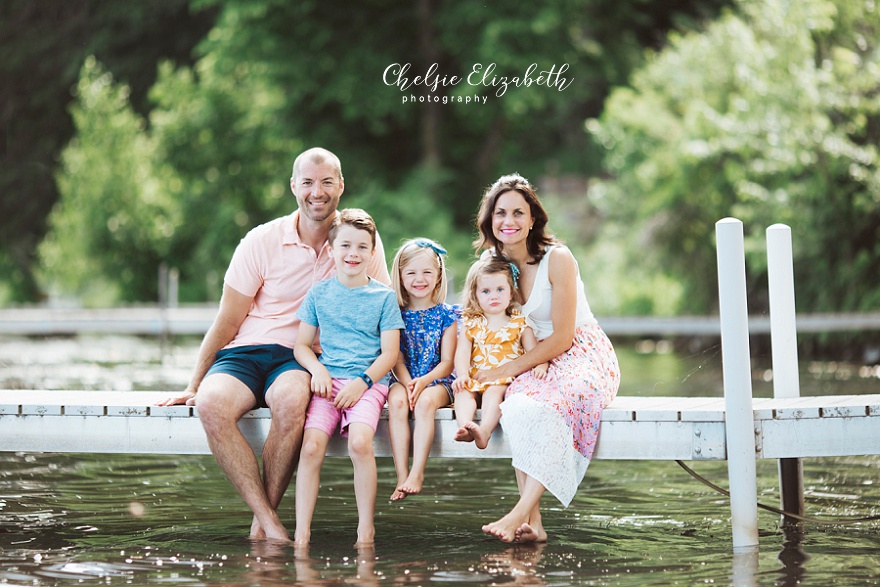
{"x": 488, "y": 266}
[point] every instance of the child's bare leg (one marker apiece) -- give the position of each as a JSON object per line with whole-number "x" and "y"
{"x": 490, "y": 415}
{"x": 360, "y": 449}
{"x": 308, "y": 482}
{"x": 398, "y": 429}
{"x": 465, "y": 408}
{"x": 431, "y": 399}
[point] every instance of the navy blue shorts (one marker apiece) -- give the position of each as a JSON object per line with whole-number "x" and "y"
{"x": 257, "y": 366}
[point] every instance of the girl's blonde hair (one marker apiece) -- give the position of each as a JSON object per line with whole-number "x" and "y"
{"x": 409, "y": 251}
{"x": 488, "y": 266}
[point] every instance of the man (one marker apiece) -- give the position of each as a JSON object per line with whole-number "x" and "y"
{"x": 246, "y": 358}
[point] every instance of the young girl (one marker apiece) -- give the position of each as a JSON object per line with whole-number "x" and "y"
{"x": 423, "y": 372}
{"x": 493, "y": 332}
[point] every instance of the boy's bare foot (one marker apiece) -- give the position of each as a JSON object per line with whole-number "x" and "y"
{"x": 526, "y": 534}
{"x": 301, "y": 539}
{"x": 463, "y": 434}
{"x": 479, "y": 437}
{"x": 366, "y": 538}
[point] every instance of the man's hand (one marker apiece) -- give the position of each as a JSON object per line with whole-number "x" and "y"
{"x": 188, "y": 397}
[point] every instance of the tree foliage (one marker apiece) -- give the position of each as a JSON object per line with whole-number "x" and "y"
{"x": 116, "y": 219}
{"x": 770, "y": 115}
{"x": 43, "y": 46}
{"x": 275, "y": 77}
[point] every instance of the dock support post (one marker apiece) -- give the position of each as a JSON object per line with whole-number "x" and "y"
{"x": 783, "y": 340}
{"x": 736, "y": 365}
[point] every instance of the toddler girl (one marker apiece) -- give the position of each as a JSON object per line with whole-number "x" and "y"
{"x": 493, "y": 332}
{"x": 427, "y": 350}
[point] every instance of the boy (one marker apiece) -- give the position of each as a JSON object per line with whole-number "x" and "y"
{"x": 360, "y": 324}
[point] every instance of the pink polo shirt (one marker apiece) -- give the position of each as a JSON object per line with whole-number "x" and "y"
{"x": 272, "y": 265}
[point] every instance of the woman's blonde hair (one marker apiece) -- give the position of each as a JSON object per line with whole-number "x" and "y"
{"x": 409, "y": 251}
{"x": 488, "y": 266}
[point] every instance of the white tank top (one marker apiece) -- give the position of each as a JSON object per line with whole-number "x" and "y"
{"x": 538, "y": 309}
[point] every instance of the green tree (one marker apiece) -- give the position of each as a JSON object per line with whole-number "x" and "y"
{"x": 276, "y": 76}
{"x": 42, "y": 48}
{"x": 115, "y": 221}
{"x": 770, "y": 115}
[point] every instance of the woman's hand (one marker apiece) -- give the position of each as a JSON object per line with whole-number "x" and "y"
{"x": 500, "y": 372}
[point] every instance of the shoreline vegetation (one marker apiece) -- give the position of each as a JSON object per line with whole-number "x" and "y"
{"x": 829, "y": 336}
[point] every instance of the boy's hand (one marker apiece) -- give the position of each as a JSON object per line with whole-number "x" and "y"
{"x": 322, "y": 383}
{"x": 350, "y": 393}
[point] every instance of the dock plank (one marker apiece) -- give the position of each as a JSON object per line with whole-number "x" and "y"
{"x": 656, "y": 428}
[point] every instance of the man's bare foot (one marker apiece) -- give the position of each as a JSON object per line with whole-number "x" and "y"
{"x": 481, "y": 440}
{"x": 504, "y": 529}
{"x": 463, "y": 434}
{"x": 256, "y": 531}
{"x": 528, "y": 534}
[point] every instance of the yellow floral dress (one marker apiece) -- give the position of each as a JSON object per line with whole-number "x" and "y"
{"x": 492, "y": 348}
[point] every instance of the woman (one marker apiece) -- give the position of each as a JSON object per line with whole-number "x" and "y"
{"x": 552, "y": 422}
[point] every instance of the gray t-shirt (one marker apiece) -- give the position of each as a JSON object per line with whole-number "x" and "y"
{"x": 351, "y": 322}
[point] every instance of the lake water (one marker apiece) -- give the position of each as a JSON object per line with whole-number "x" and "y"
{"x": 160, "y": 520}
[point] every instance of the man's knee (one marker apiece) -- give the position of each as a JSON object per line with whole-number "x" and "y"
{"x": 289, "y": 394}
{"x": 222, "y": 396}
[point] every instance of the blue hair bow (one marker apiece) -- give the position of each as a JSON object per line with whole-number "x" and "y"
{"x": 514, "y": 270}
{"x": 425, "y": 243}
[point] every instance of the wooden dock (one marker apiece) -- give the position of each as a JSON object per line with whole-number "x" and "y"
{"x": 652, "y": 428}
{"x": 737, "y": 428}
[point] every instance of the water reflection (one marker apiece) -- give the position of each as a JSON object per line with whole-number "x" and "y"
{"x": 139, "y": 519}
{"x": 792, "y": 556}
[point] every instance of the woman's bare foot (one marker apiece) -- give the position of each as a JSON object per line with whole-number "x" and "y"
{"x": 526, "y": 534}
{"x": 480, "y": 438}
{"x": 504, "y": 529}
{"x": 463, "y": 434}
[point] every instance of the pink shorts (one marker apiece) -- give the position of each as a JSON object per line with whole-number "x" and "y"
{"x": 324, "y": 416}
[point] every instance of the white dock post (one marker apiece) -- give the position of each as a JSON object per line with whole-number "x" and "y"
{"x": 736, "y": 364}
{"x": 783, "y": 333}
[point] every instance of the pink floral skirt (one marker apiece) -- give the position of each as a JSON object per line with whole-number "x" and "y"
{"x": 552, "y": 424}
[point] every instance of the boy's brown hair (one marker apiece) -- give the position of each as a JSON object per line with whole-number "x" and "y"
{"x": 356, "y": 218}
